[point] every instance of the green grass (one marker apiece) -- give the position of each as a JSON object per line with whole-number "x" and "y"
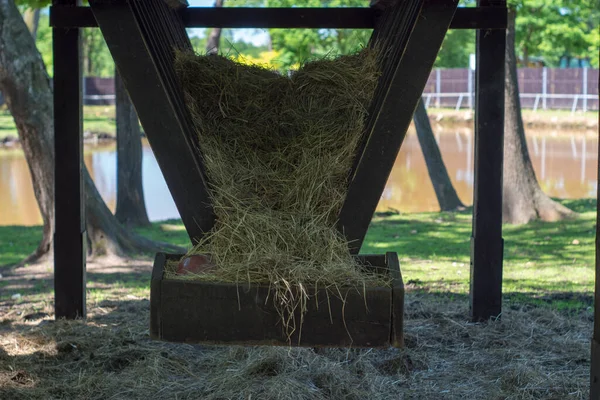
{"x": 99, "y": 119}
{"x": 17, "y": 242}
{"x": 544, "y": 263}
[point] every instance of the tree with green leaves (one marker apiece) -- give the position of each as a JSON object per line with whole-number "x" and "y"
{"x": 551, "y": 29}
{"x": 296, "y": 46}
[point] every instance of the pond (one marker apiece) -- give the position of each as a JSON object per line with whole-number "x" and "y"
{"x": 565, "y": 163}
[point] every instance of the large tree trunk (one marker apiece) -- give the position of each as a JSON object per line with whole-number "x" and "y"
{"x": 523, "y": 199}
{"x": 444, "y": 191}
{"x": 212, "y": 44}
{"x": 131, "y": 207}
{"x": 25, "y": 85}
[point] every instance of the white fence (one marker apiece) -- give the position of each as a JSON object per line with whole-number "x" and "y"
{"x": 579, "y": 101}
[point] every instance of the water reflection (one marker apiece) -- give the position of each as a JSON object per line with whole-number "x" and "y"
{"x": 565, "y": 164}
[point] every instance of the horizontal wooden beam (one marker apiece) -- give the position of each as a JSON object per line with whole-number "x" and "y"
{"x": 348, "y": 18}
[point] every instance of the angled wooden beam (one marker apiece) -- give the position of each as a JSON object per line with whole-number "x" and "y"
{"x": 160, "y": 107}
{"x": 486, "y": 242}
{"x": 393, "y": 119}
{"x": 69, "y": 199}
{"x": 241, "y": 17}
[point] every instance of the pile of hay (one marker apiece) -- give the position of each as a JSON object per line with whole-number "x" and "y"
{"x": 278, "y": 151}
{"x": 532, "y": 353}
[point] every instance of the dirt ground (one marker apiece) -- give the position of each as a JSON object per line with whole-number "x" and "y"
{"x": 531, "y": 353}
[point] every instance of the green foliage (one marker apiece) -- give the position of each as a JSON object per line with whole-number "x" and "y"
{"x": 458, "y": 45}
{"x": 554, "y": 28}
{"x": 44, "y": 42}
{"x": 296, "y": 46}
{"x": 241, "y": 47}
{"x": 33, "y": 3}
{"x": 229, "y": 45}
{"x": 547, "y": 29}
{"x": 97, "y": 60}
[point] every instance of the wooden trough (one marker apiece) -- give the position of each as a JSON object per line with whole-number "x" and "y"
{"x": 218, "y": 313}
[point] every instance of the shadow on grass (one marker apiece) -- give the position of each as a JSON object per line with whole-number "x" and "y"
{"x": 21, "y": 290}
{"x": 439, "y": 236}
{"x": 564, "y": 302}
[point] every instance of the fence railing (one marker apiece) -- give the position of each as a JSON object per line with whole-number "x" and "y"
{"x": 575, "y": 100}
{"x": 541, "y": 88}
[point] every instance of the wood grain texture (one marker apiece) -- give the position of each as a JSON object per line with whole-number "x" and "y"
{"x": 240, "y": 17}
{"x": 397, "y": 333}
{"x": 69, "y": 198}
{"x": 487, "y": 245}
{"x": 217, "y": 313}
{"x": 595, "y": 359}
{"x": 404, "y": 81}
{"x": 141, "y": 43}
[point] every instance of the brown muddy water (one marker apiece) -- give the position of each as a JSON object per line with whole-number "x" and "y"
{"x": 565, "y": 163}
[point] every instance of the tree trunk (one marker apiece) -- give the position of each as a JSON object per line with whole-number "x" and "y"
{"x": 131, "y": 207}
{"x": 212, "y": 45}
{"x": 25, "y": 85}
{"x": 444, "y": 191}
{"x": 31, "y": 16}
{"x": 523, "y": 199}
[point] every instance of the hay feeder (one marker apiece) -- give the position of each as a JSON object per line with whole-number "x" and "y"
{"x": 221, "y": 313}
{"x": 143, "y": 37}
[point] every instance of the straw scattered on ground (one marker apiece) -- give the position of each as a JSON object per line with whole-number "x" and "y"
{"x": 532, "y": 353}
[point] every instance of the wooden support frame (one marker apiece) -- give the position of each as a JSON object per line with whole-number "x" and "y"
{"x": 242, "y": 17}
{"x": 69, "y": 199}
{"x": 392, "y": 120}
{"x": 165, "y": 120}
{"x": 486, "y": 242}
{"x": 69, "y": 243}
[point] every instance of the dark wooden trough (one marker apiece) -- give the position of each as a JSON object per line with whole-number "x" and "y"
{"x": 220, "y": 313}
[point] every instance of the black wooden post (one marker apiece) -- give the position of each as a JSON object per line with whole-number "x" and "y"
{"x": 486, "y": 241}
{"x": 69, "y": 235}
{"x": 595, "y": 364}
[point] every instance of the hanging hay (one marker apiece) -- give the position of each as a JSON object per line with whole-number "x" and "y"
{"x": 278, "y": 151}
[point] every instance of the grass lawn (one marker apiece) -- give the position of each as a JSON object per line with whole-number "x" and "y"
{"x": 544, "y": 263}
{"x": 100, "y": 119}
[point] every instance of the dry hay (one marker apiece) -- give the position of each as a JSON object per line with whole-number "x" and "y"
{"x": 532, "y": 353}
{"x": 278, "y": 151}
